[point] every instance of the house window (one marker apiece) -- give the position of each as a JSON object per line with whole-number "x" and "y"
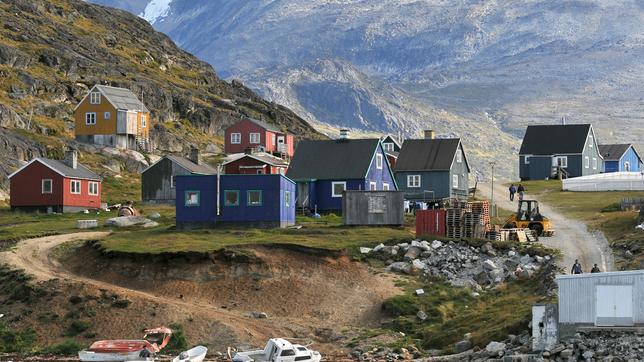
{"x": 75, "y": 187}
{"x": 171, "y": 182}
{"x": 235, "y": 138}
{"x": 594, "y": 163}
{"x": 90, "y": 118}
{"x": 192, "y": 198}
{"x": 47, "y": 186}
{"x": 254, "y": 138}
{"x": 627, "y": 166}
{"x": 231, "y": 198}
{"x": 388, "y": 146}
{"x": 455, "y": 181}
{"x": 413, "y": 180}
{"x": 254, "y": 197}
{"x": 287, "y": 198}
{"x": 373, "y": 186}
{"x": 561, "y": 161}
{"x": 273, "y": 139}
{"x": 379, "y": 161}
{"x": 337, "y": 188}
{"x": 526, "y": 160}
{"x": 260, "y": 172}
{"x": 92, "y": 188}
{"x": 459, "y": 157}
{"x": 385, "y": 186}
{"x": 106, "y": 115}
{"x": 143, "y": 121}
{"x": 587, "y": 162}
{"x": 95, "y": 98}
{"x": 590, "y": 141}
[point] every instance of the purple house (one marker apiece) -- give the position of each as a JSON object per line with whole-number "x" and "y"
{"x": 323, "y": 170}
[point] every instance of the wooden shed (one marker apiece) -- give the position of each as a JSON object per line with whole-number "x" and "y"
{"x": 373, "y": 207}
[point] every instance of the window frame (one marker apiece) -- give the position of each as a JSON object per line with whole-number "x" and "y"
{"x": 89, "y": 188}
{"x": 627, "y": 166}
{"x": 526, "y": 159}
{"x": 250, "y": 138}
{"x": 388, "y": 146}
{"x": 144, "y": 121}
{"x": 459, "y": 156}
{"x": 261, "y": 198}
{"x": 591, "y": 139}
{"x": 595, "y": 163}
{"x": 586, "y": 162}
{"x": 172, "y": 185}
{"x": 235, "y": 136}
{"x": 287, "y": 198}
{"x": 71, "y": 187}
{"x": 373, "y": 186}
{"x": 87, "y": 122}
{"x": 455, "y": 181}
{"x": 185, "y": 198}
{"x": 91, "y": 97}
{"x": 562, "y": 158}
{"x": 411, "y": 181}
{"x": 42, "y": 186}
{"x": 385, "y": 186}
{"x": 107, "y": 115}
{"x": 333, "y": 183}
{"x": 226, "y": 203}
{"x": 379, "y": 161}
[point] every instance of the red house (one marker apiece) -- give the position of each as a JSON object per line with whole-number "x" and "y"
{"x": 258, "y": 135}
{"x": 55, "y": 186}
{"x": 255, "y": 163}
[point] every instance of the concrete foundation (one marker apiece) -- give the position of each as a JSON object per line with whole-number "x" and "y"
{"x": 545, "y": 327}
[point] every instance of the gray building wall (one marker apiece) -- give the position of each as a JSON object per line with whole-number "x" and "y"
{"x": 373, "y": 208}
{"x": 591, "y": 152}
{"x": 155, "y": 182}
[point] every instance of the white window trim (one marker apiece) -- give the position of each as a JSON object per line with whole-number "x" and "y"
{"x": 590, "y": 144}
{"x": 250, "y": 138}
{"x": 87, "y": 120}
{"x": 379, "y": 161}
{"x": 454, "y": 181}
{"x": 594, "y": 163}
{"x": 385, "y": 186}
{"x": 343, "y": 183}
{"x": 235, "y": 138}
{"x": 172, "y": 181}
{"x": 98, "y": 98}
{"x": 526, "y": 159}
{"x": 89, "y": 188}
{"x": 411, "y": 181}
{"x": 373, "y": 186}
{"x": 107, "y": 115}
{"x": 389, "y": 146}
{"x": 51, "y": 186}
{"x": 144, "y": 121}
{"x": 586, "y": 162}
{"x": 563, "y": 158}
{"x": 71, "y": 187}
{"x": 459, "y": 156}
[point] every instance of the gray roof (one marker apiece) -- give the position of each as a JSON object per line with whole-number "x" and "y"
{"x": 192, "y": 167}
{"x": 428, "y": 154}
{"x": 554, "y": 139}
{"x": 264, "y": 157}
{"x": 332, "y": 159}
{"x": 79, "y": 172}
{"x": 265, "y": 125}
{"x": 613, "y": 152}
{"x": 122, "y": 98}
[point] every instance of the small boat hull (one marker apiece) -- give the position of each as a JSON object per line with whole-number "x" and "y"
{"x": 196, "y": 354}
{"x": 89, "y": 356}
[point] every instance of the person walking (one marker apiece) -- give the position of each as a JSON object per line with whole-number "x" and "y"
{"x": 576, "y": 268}
{"x": 521, "y": 191}
{"x": 513, "y": 190}
{"x": 595, "y": 269}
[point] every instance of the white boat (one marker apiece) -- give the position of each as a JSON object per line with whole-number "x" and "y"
{"x": 196, "y": 354}
{"x": 279, "y": 350}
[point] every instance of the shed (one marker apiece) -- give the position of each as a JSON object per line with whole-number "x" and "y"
{"x": 373, "y": 207}
{"x": 620, "y": 158}
{"x": 255, "y": 163}
{"x": 608, "y": 299}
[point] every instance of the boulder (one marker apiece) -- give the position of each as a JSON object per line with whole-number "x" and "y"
{"x": 418, "y": 265}
{"x": 126, "y": 221}
{"x": 378, "y": 247}
{"x": 566, "y": 353}
{"x": 365, "y": 250}
{"x": 495, "y": 347}
{"x": 436, "y": 244}
{"x": 462, "y": 346}
{"x": 412, "y": 253}
{"x": 487, "y": 247}
{"x": 489, "y": 265}
{"x": 401, "y": 267}
{"x": 155, "y": 216}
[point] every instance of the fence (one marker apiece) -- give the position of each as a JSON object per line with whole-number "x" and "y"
{"x": 631, "y": 203}
{"x": 613, "y": 181}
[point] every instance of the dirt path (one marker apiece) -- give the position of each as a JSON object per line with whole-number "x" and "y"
{"x": 572, "y": 237}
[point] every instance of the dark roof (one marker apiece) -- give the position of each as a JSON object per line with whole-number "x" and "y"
{"x": 122, "y": 98}
{"x": 554, "y": 139}
{"x": 263, "y": 157}
{"x": 392, "y": 153}
{"x": 265, "y": 125}
{"x": 79, "y": 172}
{"x": 613, "y": 152}
{"x": 427, "y": 154}
{"x": 191, "y": 166}
{"x": 332, "y": 159}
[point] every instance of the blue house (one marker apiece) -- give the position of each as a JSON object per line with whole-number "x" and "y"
{"x": 244, "y": 200}
{"x": 432, "y": 169}
{"x": 620, "y": 158}
{"x": 323, "y": 170}
{"x": 569, "y": 150}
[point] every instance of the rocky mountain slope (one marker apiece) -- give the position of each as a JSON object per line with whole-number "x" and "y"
{"x": 52, "y": 52}
{"x": 387, "y": 64}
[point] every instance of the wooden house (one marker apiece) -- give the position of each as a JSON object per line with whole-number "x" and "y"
{"x": 256, "y": 135}
{"x": 620, "y": 158}
{"x": 113, "y": 117}
{"x": 432, "y": 169}
{"x": 323, "y": 170}
{"x": 392, "y": 149}
{"x": 55, "y": 186}
{"x": 158, "y": 181}
{"x": 549, "y": 150}
{"x": 260, "y": 163}
{"x": 244, "y": 200}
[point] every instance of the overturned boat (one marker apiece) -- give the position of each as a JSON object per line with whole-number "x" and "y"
{"x": 278, "y": 350}
{"x": 196, "y": 354}
{"x": 121, "y": 350}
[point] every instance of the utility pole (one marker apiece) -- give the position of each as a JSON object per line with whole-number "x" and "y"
{"x": 493, "y": 209}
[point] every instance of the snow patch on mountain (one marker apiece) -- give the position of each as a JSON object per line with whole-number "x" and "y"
{"x": 156, "y": 10}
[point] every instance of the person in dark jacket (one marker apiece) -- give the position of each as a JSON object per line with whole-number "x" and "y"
{"x": 521, "y": 191}
{"x": 145, "y": 353}
{"x": 513, "y": 190}
{"x": 576, "y": 268}
{"x": 595, "y": 269}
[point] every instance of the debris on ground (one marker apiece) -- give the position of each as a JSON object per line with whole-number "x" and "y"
{"x": 127, "y": 221}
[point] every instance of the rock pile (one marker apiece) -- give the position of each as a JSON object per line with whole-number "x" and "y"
{"x": 599, "y": 346}
{"x": 460, "y": 264}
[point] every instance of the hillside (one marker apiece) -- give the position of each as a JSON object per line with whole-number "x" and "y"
{"x": 52, "y": 51}
{"x": 482, "y": 69}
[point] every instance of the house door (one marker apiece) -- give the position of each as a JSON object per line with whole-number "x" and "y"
{"x": 281, "y": 147}
{"x": 302, "y": 194}
{"x": 614, "y": 305}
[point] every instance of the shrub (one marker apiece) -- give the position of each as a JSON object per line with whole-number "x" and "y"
{"x": 67, "y": 348}
{"x": 178, "y": 342}
{"x": 77, "y": 327}
{"x": 121, "y": 303}
{"x": 15, "y": 341}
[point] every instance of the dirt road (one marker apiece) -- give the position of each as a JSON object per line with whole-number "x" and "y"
{"x": 572, "y": 237}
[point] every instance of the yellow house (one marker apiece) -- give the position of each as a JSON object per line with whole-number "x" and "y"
{"x": 114, "y": 117}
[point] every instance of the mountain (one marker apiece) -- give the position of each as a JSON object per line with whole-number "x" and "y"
{"x": 53, "y": 51}
{"x": 382, "y": 65}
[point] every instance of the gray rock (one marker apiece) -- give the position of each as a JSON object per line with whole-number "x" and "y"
{"x": 421, "y": 315}
{"x": 489, "y": 265}
{"x": 462, "y": 346}
{"x": 566, "y": 353}
{"x": 155, "y": 215}
{"x": 259, "y": 315}
{"x": 379, "y": 247}
{"x": 126, "y": 221}
{"x": 412, "y": 253}
{"x": 436, "y": 244}
{"x": 365, "y": 250}
{"x": 401, "y": 267}
{"x": 417, "y": 264}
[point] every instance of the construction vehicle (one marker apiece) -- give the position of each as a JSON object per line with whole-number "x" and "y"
{"x": 529, "y": 217}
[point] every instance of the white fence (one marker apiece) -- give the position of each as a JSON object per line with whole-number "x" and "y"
{"x": 613, "y": 181}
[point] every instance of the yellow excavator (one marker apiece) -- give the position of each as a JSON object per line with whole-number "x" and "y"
{"x": 529, "y": 217}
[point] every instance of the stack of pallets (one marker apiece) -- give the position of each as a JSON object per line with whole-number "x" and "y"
{"x": 472, "y": 227}
{"x": 454, "y": 223}
{"x": 482, "y": 208}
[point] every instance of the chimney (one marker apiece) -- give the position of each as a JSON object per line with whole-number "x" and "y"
{"x": 195, "y": 156}
{"x": 344, "y": 134}
{"x": 71, "y": 158}
{"x": 429, "y": 134}
{"x": 249, "y": 151}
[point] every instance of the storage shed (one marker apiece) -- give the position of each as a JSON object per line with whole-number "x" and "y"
{"x": 600, "y": 300}
{"x": 373, "y": 207}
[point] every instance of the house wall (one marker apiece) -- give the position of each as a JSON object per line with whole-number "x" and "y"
{"x": 287, "y": 213}
{"x": 102, "y": 126}
{"x": 246, "y": 127}
{"x": 206, "y": 212}
{"x": 358, "y": 208}
{"x": 540, "y": 167}
{"x": 82, "y": 200}
{"x": 155, "y": 182}
{"x": 437, "y": 181}
{"x": 631, "y": 157}
{"x": 323, "y": 199}
{"x": 590, "y": 152}
{"x": 379, "y": 176}
{"x": 234, "y": 167}
{"x": 26, "y": 187}
{"x": 611, "y": 166}
{"x": 459, "y": 169}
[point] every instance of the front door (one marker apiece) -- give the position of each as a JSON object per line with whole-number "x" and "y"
{"x": 614, "y": 305}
